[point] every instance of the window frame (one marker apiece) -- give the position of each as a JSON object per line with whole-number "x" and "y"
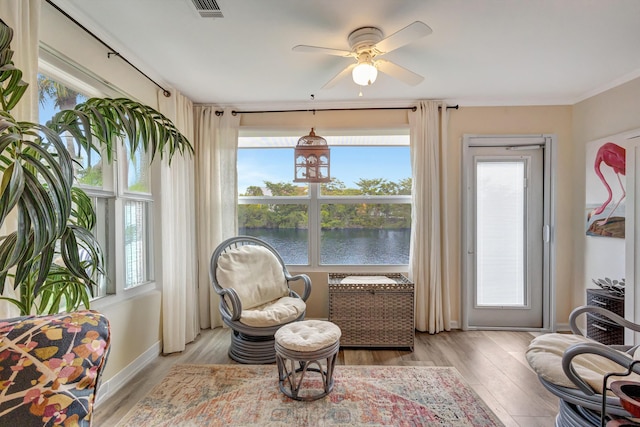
{"x": 113, "y": 191}
{"x": 147, "y": 244}
{"x": 146, "y": 197}
{"x": 313, "y": 200}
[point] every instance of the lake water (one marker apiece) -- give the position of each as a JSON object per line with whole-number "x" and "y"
{"x": 342, "y": 247}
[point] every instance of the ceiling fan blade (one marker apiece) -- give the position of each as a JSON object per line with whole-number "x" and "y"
{"x": 346, "y": 71}
{"x": 398, "y": 72}
{"x": 404, "y": 36}
{"x": 326, "y": 50}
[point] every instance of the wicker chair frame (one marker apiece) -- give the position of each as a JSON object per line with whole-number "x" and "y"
{"x": 583, "y": 406}
{"x": 250, "y": 344}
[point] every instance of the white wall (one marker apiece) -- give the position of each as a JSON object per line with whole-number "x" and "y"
{"x": 72, "y": 42}
{"x": 612, "y": 112}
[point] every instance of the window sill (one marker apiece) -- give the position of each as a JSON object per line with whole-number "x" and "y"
{"x": 123, "y": 295}
{"x": 294, "y": 269}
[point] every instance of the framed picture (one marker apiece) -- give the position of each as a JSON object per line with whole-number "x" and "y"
{"x": 606, "y": 187}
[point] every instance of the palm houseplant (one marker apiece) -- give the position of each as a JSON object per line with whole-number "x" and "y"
{"x": 48, "y": 253}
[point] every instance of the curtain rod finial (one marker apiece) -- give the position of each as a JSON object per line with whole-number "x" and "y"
{"x": 166, "y": 93}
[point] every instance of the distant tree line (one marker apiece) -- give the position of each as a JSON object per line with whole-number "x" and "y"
{"x": 333, "y": 216}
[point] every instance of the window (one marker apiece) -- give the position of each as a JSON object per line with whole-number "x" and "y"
{"x": 104, "y": 231}
{"x": 138, "y": 251}
{"x": 137, "y": 178}
{"x": 56, "y": 95}
{"x": 362, "y": 217}
{"x": 136, "y": 243}
{"x": 120, "y": 191}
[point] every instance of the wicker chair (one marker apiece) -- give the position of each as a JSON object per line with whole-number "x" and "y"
{"x": 573, "y": 367}
{"x": 255, "y": 296}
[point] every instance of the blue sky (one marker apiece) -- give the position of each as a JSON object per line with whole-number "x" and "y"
{"x": 46, "y": 112}
{"x": 348, "y": 164}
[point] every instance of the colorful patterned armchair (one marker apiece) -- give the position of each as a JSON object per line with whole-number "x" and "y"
{"x": 50, "y": 368}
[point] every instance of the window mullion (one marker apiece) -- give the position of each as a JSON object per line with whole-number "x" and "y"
{"x": 314, "y": 225}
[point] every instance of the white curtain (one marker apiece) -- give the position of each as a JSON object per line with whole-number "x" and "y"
{"x": 179, "y": 249}
{"x": 216, "y": 145}
{"x": 428, "y": 256}
{"x": 23, "y": 16}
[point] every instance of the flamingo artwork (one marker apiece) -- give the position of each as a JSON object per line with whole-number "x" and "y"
{"x": 611, "y": 155}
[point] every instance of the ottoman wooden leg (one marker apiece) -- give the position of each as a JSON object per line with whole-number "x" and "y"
{"x": 291, "y": 378}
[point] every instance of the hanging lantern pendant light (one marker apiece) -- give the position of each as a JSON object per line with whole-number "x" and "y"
{"x": 311, "y": 158}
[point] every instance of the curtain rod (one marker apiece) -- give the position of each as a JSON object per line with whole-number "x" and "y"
{"x": 414, "y": 108}
{"x": 113, "y": 52}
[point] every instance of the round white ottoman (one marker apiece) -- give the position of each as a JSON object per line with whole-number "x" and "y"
{"x": 307, "y": 343}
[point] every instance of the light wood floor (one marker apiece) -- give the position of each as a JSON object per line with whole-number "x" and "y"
{"x": 492, "y": 362}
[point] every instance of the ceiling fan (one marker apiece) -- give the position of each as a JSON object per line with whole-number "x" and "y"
{"x": 367, "y": 45}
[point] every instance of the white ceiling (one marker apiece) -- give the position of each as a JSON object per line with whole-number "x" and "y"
{"x": 481, "y": 52}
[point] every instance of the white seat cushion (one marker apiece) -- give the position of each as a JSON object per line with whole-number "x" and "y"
{"x": 254, "y": 273}
{"x": 308, "y": 335}
{"x": 282, "y": 310}
{"x": 545, "y": 357}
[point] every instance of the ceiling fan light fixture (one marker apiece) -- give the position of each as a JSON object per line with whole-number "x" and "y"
{"x": 364, "y": 74}
{"x": 367, "y": 44}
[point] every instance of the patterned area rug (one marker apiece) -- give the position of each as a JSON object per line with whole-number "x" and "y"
{"x": 246, "y": 395}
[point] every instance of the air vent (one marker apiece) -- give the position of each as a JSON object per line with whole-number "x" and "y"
{"x": 208, "y": 8}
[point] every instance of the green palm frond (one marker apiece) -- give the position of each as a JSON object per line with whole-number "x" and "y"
{"x": 36, "y": 184}
{"x": 110, "y": 119}
{"x": 10, "y": 76}
{"x": 82, "y": 214}
{"x": 61, "y": 286}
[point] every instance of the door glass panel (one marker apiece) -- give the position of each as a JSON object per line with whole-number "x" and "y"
{"x": 500, "y": 236}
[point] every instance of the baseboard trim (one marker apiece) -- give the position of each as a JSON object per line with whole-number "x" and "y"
{"x": 115, "y": 383}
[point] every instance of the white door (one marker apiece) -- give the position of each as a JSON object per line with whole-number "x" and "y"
{"x": 505, "y": 236}
{"x": 632, "y": 235}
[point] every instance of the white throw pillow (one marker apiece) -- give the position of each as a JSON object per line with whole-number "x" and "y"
{"x": 254, "y": 273}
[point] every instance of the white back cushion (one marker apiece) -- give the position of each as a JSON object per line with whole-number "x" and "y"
{"x": 254, "y": 273}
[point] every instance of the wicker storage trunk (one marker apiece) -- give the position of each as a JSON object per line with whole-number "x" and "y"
{"x": 372, "y": 314}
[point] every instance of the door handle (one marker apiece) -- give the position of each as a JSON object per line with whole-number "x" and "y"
{"x": 546, "y": 233}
